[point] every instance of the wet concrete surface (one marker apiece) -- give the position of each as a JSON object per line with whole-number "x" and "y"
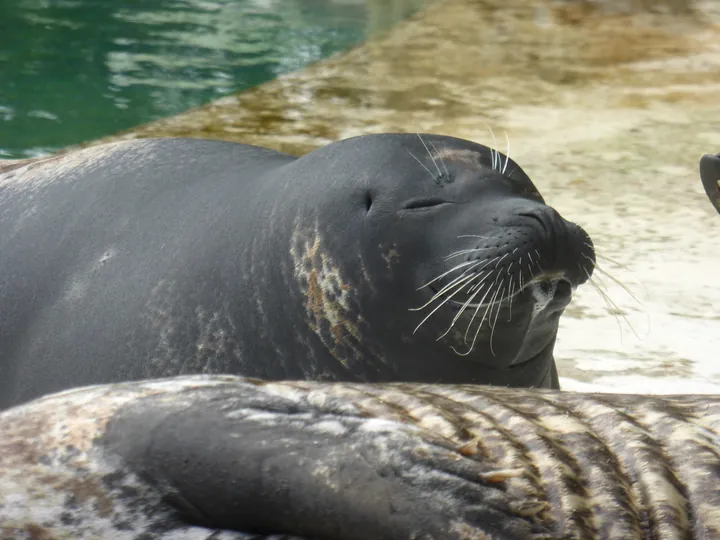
{"x": 608, "y": 107}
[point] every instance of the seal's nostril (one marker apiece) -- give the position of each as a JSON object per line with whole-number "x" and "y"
{"x": 563, "y": 288}
{"x": 546, "y": 287}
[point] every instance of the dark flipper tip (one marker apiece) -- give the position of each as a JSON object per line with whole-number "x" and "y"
{"x": 710, "y": 176}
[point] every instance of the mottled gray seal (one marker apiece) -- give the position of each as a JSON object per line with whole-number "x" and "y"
{"x": 203, "y": 457}
{"x": 710, "y": 176}
{"x": 377, "y": 258}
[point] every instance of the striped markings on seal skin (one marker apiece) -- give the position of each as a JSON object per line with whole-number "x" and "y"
{"x": 220, "y": 457}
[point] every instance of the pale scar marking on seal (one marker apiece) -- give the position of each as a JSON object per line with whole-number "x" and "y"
{"x": 328, "y": 297}
{"x": 462, "y": 155}
{"x": 78, "y": 286}
{"x": 391, "y": 256}
{"x": 21, "y": 175}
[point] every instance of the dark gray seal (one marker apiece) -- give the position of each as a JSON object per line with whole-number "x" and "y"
{"x": 218, "y": 457}
{"x": 710, "y": 176}
{"x": 377, "y": 258}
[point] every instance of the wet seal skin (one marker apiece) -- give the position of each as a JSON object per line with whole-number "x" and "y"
{"x": 710, "y": 176}
{"x": 391, "y": 257}
{"x": 220, "y": 457}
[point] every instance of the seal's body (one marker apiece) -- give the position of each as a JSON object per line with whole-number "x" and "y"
{"x": 218, "y": 457}
{"x": 378, "y": 258}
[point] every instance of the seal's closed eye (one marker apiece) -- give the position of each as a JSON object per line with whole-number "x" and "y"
{"x": 428, "y": 202}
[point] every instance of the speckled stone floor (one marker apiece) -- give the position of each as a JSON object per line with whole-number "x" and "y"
{"x": 608, "y": 108}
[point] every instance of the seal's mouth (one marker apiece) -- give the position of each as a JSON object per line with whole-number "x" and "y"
{"x": 553, "y": 294}
{"x": 505, "y": 291}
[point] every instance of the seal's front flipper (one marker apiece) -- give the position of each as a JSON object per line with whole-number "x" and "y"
{"x": 710, "y": 176}
{"x": 249, "y": 459}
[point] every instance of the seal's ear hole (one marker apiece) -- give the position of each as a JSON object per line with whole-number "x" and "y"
{"x": 368, "y": 201}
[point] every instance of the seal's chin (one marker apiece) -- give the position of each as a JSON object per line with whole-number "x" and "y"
{"x": 549, "y": 296}
{"x": 506, "y": 329}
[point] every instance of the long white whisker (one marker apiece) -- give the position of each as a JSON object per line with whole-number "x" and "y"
{"x": 477, "y": 332}
{"x": 441, "y": 304}
{"x": 605, "y": 298}
{"x": 501, "y": 259}
{"x": 510, "y": 297}
{"x": 468, "y": 280}
{"x": 612, "y": 306}
{"x": 479, "y": 283}
{"x": 497, "y": 264}
{"x": 464, "y": 252}
{"x": 474, "y": 236}
{"x": 456, "y": 282}
{"x": 613, "y": 278}
{"x": 507, "y": 153}
{"x": 483, "y": 268}
{"x": 472, "y": 319}
{"x": 442, "y": 161}
{"x": 421, "y": 164}
{"x": 492, "y": 328}
{"x": 605, "y": 257}
{"x": 611, "y": 261}
{"x": 459, "y": 313}
{"x": 501, "y": 289}
{"x": 530, "y": 265}
{"x": 430, "y": 154}
{"x": 538, "y": 261}
{"x": 453, "y": 269}
{"x": 492, "y": 285}
{"x": 493, "y": 152}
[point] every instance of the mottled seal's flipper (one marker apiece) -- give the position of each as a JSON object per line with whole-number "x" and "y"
{"x": 222, "y": 458}
{"x": 710, "y": 176}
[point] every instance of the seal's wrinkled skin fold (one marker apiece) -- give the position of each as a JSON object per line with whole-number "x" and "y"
{"x": 220, "y": 457}
{"x": 390, "y": 257}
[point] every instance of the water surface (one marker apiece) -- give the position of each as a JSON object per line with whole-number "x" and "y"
{"x": 75, "y": 70}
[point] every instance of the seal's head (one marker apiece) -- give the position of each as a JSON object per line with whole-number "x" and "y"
{"x": 710, "y": 176}
{"x": 465, "y": 270}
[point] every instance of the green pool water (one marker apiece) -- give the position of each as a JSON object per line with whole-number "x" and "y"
{"x": 75, "y": 70}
